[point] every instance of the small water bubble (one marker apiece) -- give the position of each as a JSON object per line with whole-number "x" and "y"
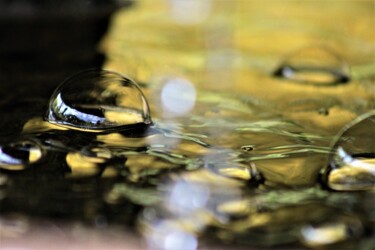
{"x": 247, "y": 148}
{"x": 96, "y": 100}
{"x": 19, "y": 155}
{"x": 352, "y": 164}
{"x": 314, "y": 65}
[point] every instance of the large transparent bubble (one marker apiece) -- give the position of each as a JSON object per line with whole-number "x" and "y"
{"x": 352, "y": 163}
{"x": 97, "y": 100}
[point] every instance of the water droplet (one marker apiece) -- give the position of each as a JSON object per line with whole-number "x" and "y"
{"x": 352, "y": 164}
{"x": 96, "y": 100}
{"x": 314, "y": 65}
{"x": 19, "y": 155}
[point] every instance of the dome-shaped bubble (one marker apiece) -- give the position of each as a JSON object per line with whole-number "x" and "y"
{"x": 96, "y": 100}
{"x": 19, "y": 155}
{"x": 314, "y": 65}
{"x": 352, "y": 164}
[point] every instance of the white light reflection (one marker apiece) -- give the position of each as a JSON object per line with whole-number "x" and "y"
{"x": 187, "y": 197}
{"x": 178, "y": 97}
{"x": 180, "y": 240}
{"x": 324, "y": 235}
{"x": 190, "y": 11}
{"x": 352, "y": 162}
{"x": 167, "y": 235}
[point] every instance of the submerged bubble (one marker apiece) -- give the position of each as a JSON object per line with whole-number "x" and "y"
{"x": 95, "y": 100}
{"x": 19, "y": 155}
{"x": 352, "y": 164}
{"x": 314, "y": 65}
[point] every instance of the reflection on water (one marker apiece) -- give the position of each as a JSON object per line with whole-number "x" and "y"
{"x": 319, "y": 66}
{"x": 257, "y": 162}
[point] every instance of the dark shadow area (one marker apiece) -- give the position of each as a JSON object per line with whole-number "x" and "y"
{"x": 41, "y": 43}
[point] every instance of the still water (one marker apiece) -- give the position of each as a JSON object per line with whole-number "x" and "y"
{"x": 203, "y": 141}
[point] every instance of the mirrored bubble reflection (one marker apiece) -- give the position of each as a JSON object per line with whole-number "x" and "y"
{"x": 95, "y": 100}
{"x": 314, "y": 65}
{"x": 19, "y": 155}
{"x": 352, "y": 164}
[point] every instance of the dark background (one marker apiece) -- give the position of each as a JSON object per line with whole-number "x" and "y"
{"x": 41, "y": 43}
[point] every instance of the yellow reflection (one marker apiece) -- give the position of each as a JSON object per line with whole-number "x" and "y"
{"x": 82, "y": 166}
{"x": 116, "y": 139}
{"x": 123, "y": 118}
{"x": 35, "y": 154}
{"x": 354, "y": 177}
{"x": 37, "y": 124}
{"x": 240, "y": 172}
{"x": 137, "y": 163}
{"x": 240, "y": 207}
{"x": 110, "y": 172}
{"x": 13, "y": 167}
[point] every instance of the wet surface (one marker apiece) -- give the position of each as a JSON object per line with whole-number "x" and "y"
{"x": 266, "y": 149}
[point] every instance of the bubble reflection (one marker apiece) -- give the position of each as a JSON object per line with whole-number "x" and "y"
{"x": 94, "y": 100}
{"x": 314, "y": 65}
{"x": 19, "y": 155}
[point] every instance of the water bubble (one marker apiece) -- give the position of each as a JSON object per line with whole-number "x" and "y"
{"x": 314, "y": 65}
{"x": 19, "y": 155}
{"x": 95, "y": 100}
{"x": 352, "y": 164}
